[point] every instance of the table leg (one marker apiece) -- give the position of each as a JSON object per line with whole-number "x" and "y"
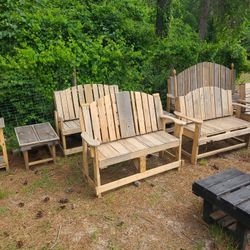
{"x": 53, "y": 151}
{"x": 241, "y": 236}
{"x": 26, "y": 159}
{"x": 207, "y": 210}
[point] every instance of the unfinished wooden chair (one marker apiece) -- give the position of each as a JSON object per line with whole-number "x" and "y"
{"x": 125, "y": 126}
{"x": 209, "y": 111}
{"x": 67, "y": 104}
{"x": 199, "y": 75}
{"x": 4, "y": 163}
{"x": 244, "y": 93}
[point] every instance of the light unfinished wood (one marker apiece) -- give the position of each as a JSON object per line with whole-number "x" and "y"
{"x": 210, "y": 114}
{"x": 67, "y": 104}
{"x": 204, "y": 74}
{"x": 244, "y": 92}
{"x": 4, "y": 162}
{"x": 140, "y": 122}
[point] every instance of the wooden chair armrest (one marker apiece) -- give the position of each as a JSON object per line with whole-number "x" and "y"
{"x": 243, "y": 101}
{"x": 241, "y": 105}
{"x": 195, "y": 120}
{"x": 175, "y": 120}
{"x": 91, "y": 142}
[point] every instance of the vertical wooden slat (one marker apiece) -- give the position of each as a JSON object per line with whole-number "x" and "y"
{"x": 102, "y": 119}
{"x": 158, "y": 110}
{"x": 87, "y": 120}
{"x": 211, "y": 75}
{"x": 136, "y": 123}
{"x": 205, "y": 74}
{"x": 227, "y": 78}
{"x": 64, "y": 105}
{"x": 95, "y": 92}
{"x": 88, "y": 93}
{"x": 212, "y": 99}
{"x": 189, "y": 104}
{"x": 110, "y": 118}
{"x": 207, "y": 103}
{"x": 95, "y": 121}
{"x": 101, "y": 90}
{"x": 224, "y": 99}
{"x": 152, "y": 112}
{"x": 70, "y": 104}
{"x": 199, "y": 69}
{"x": 196, "y": 103}
{"x": 125, "y": 114}
{"x": 145, "y": 107}
{"x": 81, "y": 94}
{"x": 222, "y": 77}
{"x": 115, "y": 114}
{"x": 58, "y": 104}
{"x": 75, "y": 101}
{"x": 140, "y": 116}
{"x": 203, "y": 116}
{"x": 106, "y": 89}
{"x": 230, "y": 102}
{"x": 218, "y": 104}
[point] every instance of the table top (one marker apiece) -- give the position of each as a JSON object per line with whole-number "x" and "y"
{"x": 230, "y": 190}
{"x": 35, "y": 134}
{"x": 2, "y": 125}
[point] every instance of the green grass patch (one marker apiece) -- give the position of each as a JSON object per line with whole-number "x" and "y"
{"x": 4, "y": 194}
{"x": 3, "y": 211}
{"x": 203, "y": 162}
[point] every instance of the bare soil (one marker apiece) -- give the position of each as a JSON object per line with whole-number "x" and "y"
{"x": 51, "y": 207}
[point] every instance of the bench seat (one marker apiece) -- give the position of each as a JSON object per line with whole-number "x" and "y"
{"x": 135, "y": 147}
{"x": 71, "y": 127}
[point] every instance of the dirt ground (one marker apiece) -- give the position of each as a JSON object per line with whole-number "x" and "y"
{"x": 51, "y": 207}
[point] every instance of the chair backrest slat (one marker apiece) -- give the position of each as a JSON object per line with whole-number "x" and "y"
{"x": 121, "y": 115}
{"x": 68, "y": 101}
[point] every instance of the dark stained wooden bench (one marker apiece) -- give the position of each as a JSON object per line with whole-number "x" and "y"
{"x": 227, "y": 202}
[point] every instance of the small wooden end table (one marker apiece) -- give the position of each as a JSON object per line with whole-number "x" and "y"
{"x": 4, "y": 163}
{"x": 227, "y": 202}
{"x": 37, "y": 135}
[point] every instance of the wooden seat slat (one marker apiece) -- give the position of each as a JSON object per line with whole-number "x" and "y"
{"x": 245, "y": 206}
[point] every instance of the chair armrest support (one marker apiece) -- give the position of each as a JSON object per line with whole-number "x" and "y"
{"x": 195, "y": 120}
{"x": 243, "y": 101}
{"x": 175, "y": 120}
{"x": 241, "y": 105}
{"x": 91, "y": 142}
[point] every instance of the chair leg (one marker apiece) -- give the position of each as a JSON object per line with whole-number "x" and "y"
{"x": 64, "y": 145}
{"x": 85, "y": 168}
{"x": 142, "y": 164}
{"x": 97, "y": 176}
{"x": 195, "y": 147}
{"x": 247, "y": 140}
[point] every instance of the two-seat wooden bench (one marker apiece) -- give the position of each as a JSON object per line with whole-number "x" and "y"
{"x": 67, "y": 104}
{"x": 125, "y": 126}
{"x": 208, "y": 109}
{"x": 227, "y": 202}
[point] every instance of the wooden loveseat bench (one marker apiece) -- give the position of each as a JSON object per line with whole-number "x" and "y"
{"x": 126, "y": 126}
{"x": 67, "y": 105}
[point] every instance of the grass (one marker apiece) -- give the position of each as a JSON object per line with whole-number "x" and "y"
{"x": 3, "y": 211}
{"x": 221, "y": 238}
{"x": 203, "y": 162}
{"x": 4, "y": 194}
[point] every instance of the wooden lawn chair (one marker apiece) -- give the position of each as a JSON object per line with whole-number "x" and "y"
{"x": 67, "y": 104}
{"x": 209, "y": 111}
{"x": 125, "y": 126}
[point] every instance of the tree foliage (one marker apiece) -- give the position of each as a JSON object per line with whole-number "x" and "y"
{"x": 43, "y": 41}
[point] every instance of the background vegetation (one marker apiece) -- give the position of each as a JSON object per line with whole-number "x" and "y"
{"x": 133, "y": 43}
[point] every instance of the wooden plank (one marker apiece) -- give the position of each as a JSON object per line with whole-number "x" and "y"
{"x": 110, "y": 118}
{"x": 245, "y": 206}
{"x": 118, "y": 146}
{"x": 101, "y": 90}
{"x": 26, "y": 135}
{"x": 218, "y": 102}
{"x": 136, "y": 122}
{"x": 133, "y": 144}
{"x": 158, "y": 110}
{"x": 95, "y": 92}
{"x": 64, "y": 105}
{"x": 196, "y": 104}
{"x": 193, "y": 78}
{"x": 95, "y": 121}
{"x": 87, "y": 121}
{"x": 106, "y": 89}
{"x": 88, "y": 93}
{"x": 199, "y": 73}
{"x": 115, "y": 114}
{"x": 58, "y": 103}
{"x": 207, "y": 103}
{"x": 2, "y": 125}
{"x": 81, "y": 94}
{"x": 103, "y": 119}
{"x": 139, "y": 109}
{"x": 224, "y": 101}
{"x": 217, "y": 75}
{"x": 189, "y": 104}
{"x": 206, "y": 79}
{"x": 202, "y": 104}
{"x": 125, "y": 114}
{"x": 152, "y": 112}
{"x": 145, "y": 106}
{"x": 180, "y": 84}
{"x": 211, "y": 75}
{"x": 45, "y": 132}
{"x": 228, "y": 79}
{"x": 70, "y": 104}
{"x": 222, "y": 77}
{"x": 212, "y": 98}
{"x": 75, "y": 101}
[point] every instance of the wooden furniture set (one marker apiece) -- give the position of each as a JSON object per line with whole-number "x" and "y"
{"x": 67, "y": 104}
{"x": 203, "y": 98}
{"x": 4, "y": 163}
{"x": 227, "y": 202}
{"x": 244, "y": 111}
{"x": 126, "y": 126}
{"x": 37, "y": 135}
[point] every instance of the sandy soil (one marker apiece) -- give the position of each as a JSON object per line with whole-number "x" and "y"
{"x": 51, "y": 207}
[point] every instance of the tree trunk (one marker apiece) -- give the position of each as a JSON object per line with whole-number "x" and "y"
{"x": 204, "y": 18}
{"x": 163, "y": 17}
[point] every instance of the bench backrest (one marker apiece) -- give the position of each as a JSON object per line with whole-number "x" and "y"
{"x": 68, "y": 101}
{"x": 121, "y": 115}
{"x": 244, "y": 92}
{"x": 205, "y": 103}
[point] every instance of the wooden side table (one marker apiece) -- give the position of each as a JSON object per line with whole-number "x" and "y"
{"x": 32, "y": 136}
{"x": 4, "y": 163}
